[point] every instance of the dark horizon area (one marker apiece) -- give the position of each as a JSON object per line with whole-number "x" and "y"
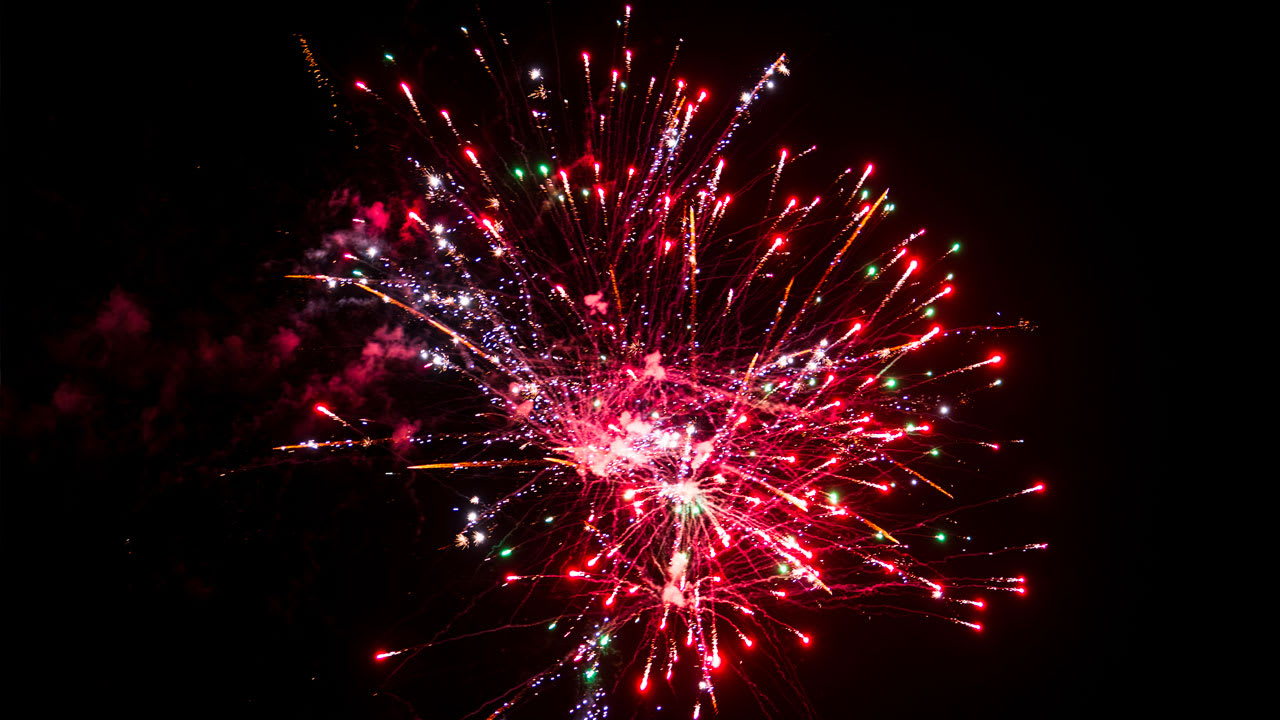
{"x": 162, "y": 175}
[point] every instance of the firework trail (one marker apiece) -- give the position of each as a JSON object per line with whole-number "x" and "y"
{"x": 715, "y": 390}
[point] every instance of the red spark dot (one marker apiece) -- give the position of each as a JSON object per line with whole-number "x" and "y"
{"x": 977, "y": 627}
{"x": 997, "y": 358}
{"x": 870, "y": 167}
{"x": 322, "y": 409}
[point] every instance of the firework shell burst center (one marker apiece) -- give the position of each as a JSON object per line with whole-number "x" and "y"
{"x": 708, "y": 392}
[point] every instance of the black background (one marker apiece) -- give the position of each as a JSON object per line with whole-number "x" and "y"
{"x": 178, "y": 163}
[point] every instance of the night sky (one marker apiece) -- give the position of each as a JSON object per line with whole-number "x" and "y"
{"x": 162, "y": 174}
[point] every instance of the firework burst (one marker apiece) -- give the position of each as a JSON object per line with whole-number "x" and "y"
{"x": 709, "y": 389}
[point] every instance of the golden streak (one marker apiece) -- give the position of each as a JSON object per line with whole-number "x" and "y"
{"x": 927, "y": 480}
{"x": 409, "y": 309}
{"x": 836, "y": 260}
{"x": 878, "y": 529}
{"x": 487, "y": 463}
